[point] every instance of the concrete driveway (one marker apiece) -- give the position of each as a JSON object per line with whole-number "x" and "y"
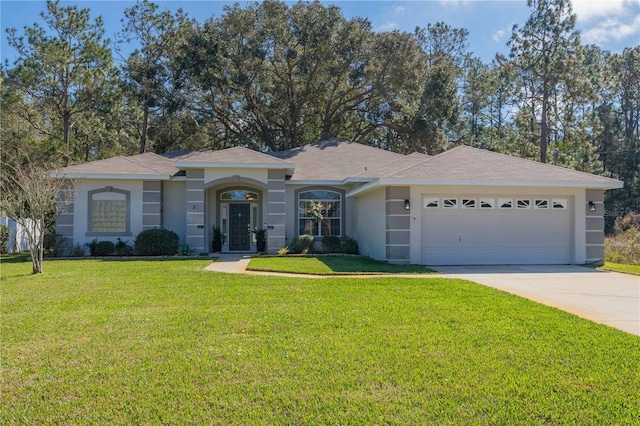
{"x": 604, "y": 297}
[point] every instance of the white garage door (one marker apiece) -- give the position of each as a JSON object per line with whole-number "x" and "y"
{"x": 496, "y": 230}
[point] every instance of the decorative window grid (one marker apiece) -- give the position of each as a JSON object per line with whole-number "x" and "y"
{"x": 450, "y": 203}
{"x": 505, "y": 203}
{"x": 431, "y": 203}
{"x": 468, "y": 203}
{"x": 559, "y": 203}
{"x": 523, "y": 204}
{"x": 487, "y": 203}
{"x": 541, "y": 204}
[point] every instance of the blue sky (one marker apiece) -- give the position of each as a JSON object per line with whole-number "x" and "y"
{"x": 611, "y": 24}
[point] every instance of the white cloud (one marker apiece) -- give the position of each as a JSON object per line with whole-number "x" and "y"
{"x": 587, "y": 10}
{"x": 454, "y": 3}
{"x": 602, "y": 21}
{"x": 387, "y": 26}
{"x": 497, "y": 36}
{"x": 611, "y": 29}
{"x": 399, "y": 11}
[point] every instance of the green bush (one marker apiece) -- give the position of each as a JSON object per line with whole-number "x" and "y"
{"x": 77, "y": 251}
{"x": 92, "y": 247}
{"x": 4, "y": 239}
{"x": 348, "y": 245}
{"x": 123, "y": 248}
{"x": 157, "y": 242}
{"x": 331, "y": 244}
{"x": 105, "y": 248}
{"x": 303, "y": 244}
{"x": 54, "y": 244}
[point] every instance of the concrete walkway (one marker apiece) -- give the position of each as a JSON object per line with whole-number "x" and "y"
{"x": 604, "y": 297}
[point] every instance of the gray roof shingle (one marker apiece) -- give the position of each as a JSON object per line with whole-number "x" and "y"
{"x": 465, "y": 163}
{"x": 147, "y": 164}
{"x": 235, "y": 155}
{"x": 335, "y": 159}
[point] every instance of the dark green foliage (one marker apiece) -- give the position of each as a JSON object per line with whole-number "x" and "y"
{"x": 331, "y": 244}
{"x": 123, "y": 248}
{"x": 92, "y": 247}
{"x": 303, "y": 244}
{"x": 105, "y": 248}
{"x": 4, "y": 239}
{"x": 54, "y": 244}
{"x": 349, "y": 245}
{"x": 157, "y": 242}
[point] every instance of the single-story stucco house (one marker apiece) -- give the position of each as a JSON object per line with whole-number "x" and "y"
{"x": 464, "y": 206}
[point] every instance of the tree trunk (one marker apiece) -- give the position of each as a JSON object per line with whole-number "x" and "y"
{"x": 543, "y": 128}
{"x": 65, "y": 138}
{"x": 143, "y": 133}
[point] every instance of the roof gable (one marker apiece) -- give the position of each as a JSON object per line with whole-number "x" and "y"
{"x": 232, "y": 156}
{"x": 335, "y": 159}
{"x": 465, "y": 163}
{"x": 147, "y": 165}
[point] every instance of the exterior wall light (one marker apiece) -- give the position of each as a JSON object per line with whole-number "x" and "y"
{"x": 592, "y": 206}
{"x": 407, "y": 205}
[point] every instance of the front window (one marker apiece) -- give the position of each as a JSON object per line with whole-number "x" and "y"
{"x": 108, "y": 211}
{"x": 239, "y": 195}
{"x": 320, "y": 213}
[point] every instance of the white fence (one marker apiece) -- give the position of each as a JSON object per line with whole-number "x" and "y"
{"x": 18, "y": 240}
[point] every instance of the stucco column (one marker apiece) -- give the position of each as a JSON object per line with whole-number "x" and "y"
{"x": 275, "y": 210}
{"x": 398, "y": 222}
{"x": 151, "y": 204}
{"x": 595, "y": 226}
{"x": 195, "y": 211}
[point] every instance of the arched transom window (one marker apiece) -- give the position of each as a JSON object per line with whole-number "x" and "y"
{"x": 320, "y": 212}
{"x": 239, "y": 195}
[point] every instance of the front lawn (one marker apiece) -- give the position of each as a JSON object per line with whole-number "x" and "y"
{"x": 619, "y": 267}
{"x": 144, "y": 342}
{"x": 332, "y": 265}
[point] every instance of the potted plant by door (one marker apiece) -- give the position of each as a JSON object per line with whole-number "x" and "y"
{"x": 218, "y": 240}
{"x": 261, "y": 239}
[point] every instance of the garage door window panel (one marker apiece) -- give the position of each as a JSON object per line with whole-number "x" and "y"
{"x": 450, "y": 203}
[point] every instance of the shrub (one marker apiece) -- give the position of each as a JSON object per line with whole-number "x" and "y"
{"x": 54, "y": 244}
{"x": 185, "y": 250}
{"x": 4, "y": 239}
{"x": 623, "y": 247}
{"x": 77, "y": 251}
{"x": 283, "y": 251}
{"x": 157, "y": 242}
{"x": 123, "y": 248}
{"x": 303, "y": 244}
{"x": 349, "y": 245}
{"x": 624, "y": 223}
{"x": 92, "y": 247}
{"x": 105, "y": 248}
{"x": 331, "y": 244}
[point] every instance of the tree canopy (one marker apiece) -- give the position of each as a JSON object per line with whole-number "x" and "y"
{"x": 274, "y": 75}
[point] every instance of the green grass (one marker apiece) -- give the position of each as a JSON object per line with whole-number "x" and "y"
{"x": 619, "y": 267}
{"x": 143, "y": 342}
{"x": 332, "y": 265}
